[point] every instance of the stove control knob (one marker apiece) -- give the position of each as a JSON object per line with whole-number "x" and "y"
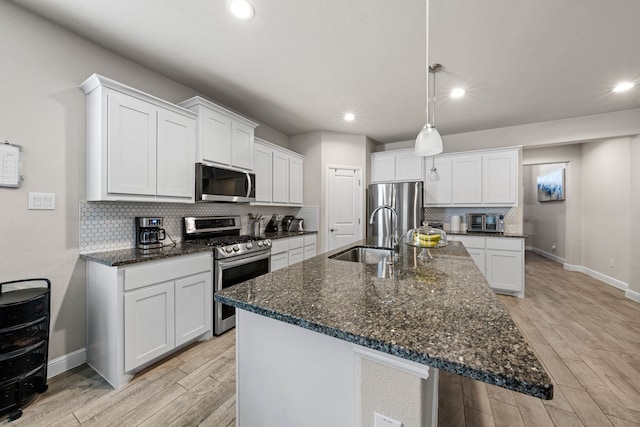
{"x": 228, "y": 249}
{"x": 259, "y": 243}
{"x": 267, "y": 242}
{"x": 236, "y": 248}
{"x": 249, "y": 245}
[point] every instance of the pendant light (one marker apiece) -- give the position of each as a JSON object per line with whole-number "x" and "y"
{"x": 429, "y": 142}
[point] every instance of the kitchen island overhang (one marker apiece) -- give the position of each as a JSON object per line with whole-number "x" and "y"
{"x": 440, "y": 313}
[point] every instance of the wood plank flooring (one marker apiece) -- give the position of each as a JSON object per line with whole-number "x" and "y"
{"x": 586, "y": 333}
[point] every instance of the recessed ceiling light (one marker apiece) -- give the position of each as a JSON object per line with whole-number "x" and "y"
{"x": 349, "y": 117}
{"x": 457, "y": 92}
{"x": 241, "y": 9}
{"x": 624, "y": 86}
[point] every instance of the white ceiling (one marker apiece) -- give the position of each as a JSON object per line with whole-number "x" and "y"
{"x": 299, "y": 65}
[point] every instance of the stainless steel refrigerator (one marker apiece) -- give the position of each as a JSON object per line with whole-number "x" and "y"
{"x": 405, "y": 198}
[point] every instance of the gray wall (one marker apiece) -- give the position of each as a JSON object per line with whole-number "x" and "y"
{"x": 544, "y": 223}
{"x": 634, "y": 230}
{"x": 598, "y": 197}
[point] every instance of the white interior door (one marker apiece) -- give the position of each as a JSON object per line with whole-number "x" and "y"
{"x": 344, "y": 206}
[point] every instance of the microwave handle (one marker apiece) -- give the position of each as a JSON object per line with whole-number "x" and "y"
{"x": 250, "y": 184}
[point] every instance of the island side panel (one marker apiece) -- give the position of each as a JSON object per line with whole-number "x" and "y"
{"x": 290, "y": 376}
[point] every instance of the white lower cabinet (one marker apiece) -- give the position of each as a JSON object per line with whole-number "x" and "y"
{"x": 310, "y": 246}
{"x": 290, "y": 250}
{"x": 138, "y": 313}
{"x": 500, "y": 259}
{"x": 505, "y": 265}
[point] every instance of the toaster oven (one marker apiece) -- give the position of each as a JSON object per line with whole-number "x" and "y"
{"x": 485, "y": 223}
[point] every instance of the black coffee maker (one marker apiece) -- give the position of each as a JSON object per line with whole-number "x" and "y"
{"x": 149, "y": 234}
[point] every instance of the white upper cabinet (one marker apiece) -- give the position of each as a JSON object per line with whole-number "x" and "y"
{"x": 396, "y": 165}
{"x": 139, "y": 147}
{"x": 437, "y": 183}
{"x": 262, "y": 168}
{"x": 500, "y": 173}
{"x": 296, "y": 165}
{"x": 279, "y": 175}
{"x": 466, "y": 180}
{"x": 224, "y": 137}
{"x": 477, "y": 178}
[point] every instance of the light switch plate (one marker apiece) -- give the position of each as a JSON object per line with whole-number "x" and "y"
{"x": 42, "y": 201}
{"x": 380, "y": 420}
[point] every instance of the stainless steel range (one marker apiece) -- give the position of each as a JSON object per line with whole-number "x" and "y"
{"x": 236, "y": 258}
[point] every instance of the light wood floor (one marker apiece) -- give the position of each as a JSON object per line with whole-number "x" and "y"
{"x": 586, "y": 333}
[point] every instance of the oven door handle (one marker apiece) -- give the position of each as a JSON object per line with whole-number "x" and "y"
{"x": 223, "y": 264}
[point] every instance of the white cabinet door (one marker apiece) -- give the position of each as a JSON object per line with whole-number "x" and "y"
{"x": 262, "y": 162}
{"x": 466, "y": 179}
{"x": 383, "y": 167}
{"x": 295, "y": 180}
{"x": 437, "y": 184}
{"x": 279, "y": 260}
{"x": 131, "y": 146}
{"x": 149, "y": 324}
{"x": 309, "y": 251}
{"x": 408, "y": 166}
{"x": 193, "y": 306}
{"x": 296, "y": 255}
{"x": 216, "y": 136}
{"x": 242, "y": 146}
{"x": 505, "y": 270}
{"x": 280, "y": 188}
{"x": 500, "y": 178}
{"x": 176, "y": 154}
{"x": 478, "y": 256}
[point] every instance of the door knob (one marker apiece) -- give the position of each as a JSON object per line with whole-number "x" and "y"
{"x": 332, "y": 229}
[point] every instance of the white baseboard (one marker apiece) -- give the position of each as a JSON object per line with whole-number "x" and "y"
{"x": 632, "y": 295}
{"x": 597, "y": 275}
{"x": 68, "y": 361}
{"x": 547, "y": 254}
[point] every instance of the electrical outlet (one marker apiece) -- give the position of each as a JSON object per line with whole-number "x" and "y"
{"x": 380, "y": 420}
{"x": 553, "y": 247}
{"x": 611, "y": 263}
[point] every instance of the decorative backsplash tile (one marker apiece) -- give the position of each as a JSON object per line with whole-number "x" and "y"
{"x": 512, "y": 216}
{"x": 110, "y": 225}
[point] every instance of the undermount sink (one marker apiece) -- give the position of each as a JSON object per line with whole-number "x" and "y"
{"x": 364, "y": 254}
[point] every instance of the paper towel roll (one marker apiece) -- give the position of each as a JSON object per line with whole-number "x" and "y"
{"x": 455, "y": 223}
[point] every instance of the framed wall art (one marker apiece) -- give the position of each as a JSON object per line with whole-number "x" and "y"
{"x": 551, "y": 186}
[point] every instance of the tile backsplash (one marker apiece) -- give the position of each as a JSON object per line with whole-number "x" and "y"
{"x": 110, "y": 225}
{"x": 512, "y": 216}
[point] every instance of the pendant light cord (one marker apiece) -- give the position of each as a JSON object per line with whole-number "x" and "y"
{"x": 427, "y": 56}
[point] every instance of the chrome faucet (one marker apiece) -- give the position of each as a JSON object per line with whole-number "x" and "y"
{"x": 394, "y": 237}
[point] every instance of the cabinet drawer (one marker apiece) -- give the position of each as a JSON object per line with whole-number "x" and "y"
{"x": 280, "y": 260}
{"x": 504, "y": 243}
{"x": 296, "y": 242}
{"x": 279, "y": 245}
{"x": 471, "y": 241}
{"x": 310, "y": 239}
{"x": 164, "y": 270}
{"x": 296, "y": 255}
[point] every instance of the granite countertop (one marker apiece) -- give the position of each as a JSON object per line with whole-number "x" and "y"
{"x": 440, "y": 313}
{"x": 284, "y": 234}
{"x": 477, "y": 233}
{"x": 120, "y": 257}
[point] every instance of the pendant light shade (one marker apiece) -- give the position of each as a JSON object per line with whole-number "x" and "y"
{"x": 429, "y": 142}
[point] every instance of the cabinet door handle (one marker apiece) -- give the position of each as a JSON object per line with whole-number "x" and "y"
{"x": 332, "y": 229}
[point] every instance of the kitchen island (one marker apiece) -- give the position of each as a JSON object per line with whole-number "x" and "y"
{"x": 329, "y": 342}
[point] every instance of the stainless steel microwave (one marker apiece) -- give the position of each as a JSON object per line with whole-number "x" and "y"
{"x": 215, "y": 184}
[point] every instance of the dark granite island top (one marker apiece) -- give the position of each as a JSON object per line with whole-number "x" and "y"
{"x": 440, "y": 313}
